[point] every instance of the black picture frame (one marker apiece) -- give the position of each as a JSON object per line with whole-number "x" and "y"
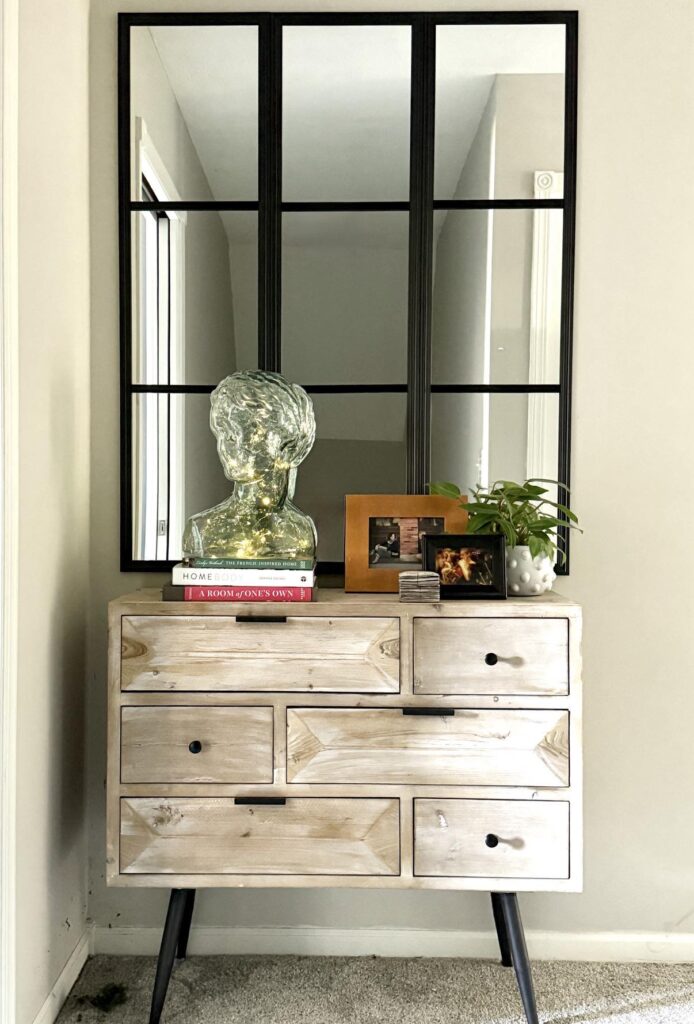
{"x": 420, "y": 206}
{"x": 492, "y": 544}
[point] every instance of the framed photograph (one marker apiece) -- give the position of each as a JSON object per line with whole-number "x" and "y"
{"x": 384, "y": 536}
{"x": 468, "y": 565}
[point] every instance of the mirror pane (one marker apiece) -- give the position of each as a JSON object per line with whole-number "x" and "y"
{"x": 360, "y": 449}
{"x": 194, "y": 111}
{"x": 194, "y": 296}
{"x": 346, "y": 111}
{"x": 497, "y": 296}
{"x": 477, "y": 439}
{"x": 176, "y": 471}
{"x": 344, "y": 298}
{"x": 499, "y": 109}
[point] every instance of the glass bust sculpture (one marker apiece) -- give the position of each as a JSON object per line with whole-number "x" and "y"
{"x": 265, "y": 428}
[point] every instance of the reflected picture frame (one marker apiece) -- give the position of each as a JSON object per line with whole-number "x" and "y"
{"x": 384, "y": 536}
{"x": 470, "y": 566}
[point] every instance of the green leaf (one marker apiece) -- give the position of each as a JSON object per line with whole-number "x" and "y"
{"x": 546, "y": 480}
{"x": 535, "y": 545}
{"x": 447, "y": 490}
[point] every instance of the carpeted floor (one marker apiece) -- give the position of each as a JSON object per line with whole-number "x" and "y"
{"x": 351, "y": 990}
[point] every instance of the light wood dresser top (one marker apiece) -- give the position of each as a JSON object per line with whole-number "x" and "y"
{"x": 352, "y": 741}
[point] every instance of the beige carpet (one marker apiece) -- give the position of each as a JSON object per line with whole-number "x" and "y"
{"x": 349, "y": 990}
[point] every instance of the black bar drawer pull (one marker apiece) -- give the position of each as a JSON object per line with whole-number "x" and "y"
{"x": 261, "y": 618}
{"x": 428, "y": 711}
{"x": 248, "y": 801}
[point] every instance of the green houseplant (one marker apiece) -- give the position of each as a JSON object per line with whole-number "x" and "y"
{"x": 529, "y": 521}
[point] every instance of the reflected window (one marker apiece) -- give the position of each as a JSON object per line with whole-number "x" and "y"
{"x": 158, "y": 457}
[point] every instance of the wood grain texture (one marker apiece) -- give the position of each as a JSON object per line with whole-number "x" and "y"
{"x": 188, "y": 652}
{"x": 236, "y": 744}
{"x": 533, "y": 838}
{"x": 471, "y": 747}
{"x": 305, "y": 836}
{"x": 449, "y": 656}
{"x": 416, "y": 785}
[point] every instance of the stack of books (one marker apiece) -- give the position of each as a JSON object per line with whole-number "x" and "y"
{"x": 242, "y": 579}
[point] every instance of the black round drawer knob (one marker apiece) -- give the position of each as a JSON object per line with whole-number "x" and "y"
{"x": 195, "y": 747}
{"x": 491, "y": 840}
{"x": 490, "y": 659}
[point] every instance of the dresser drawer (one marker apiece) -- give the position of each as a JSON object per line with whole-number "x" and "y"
{"x": 207, "y": 744}
{"x": 314, "y": 653}
{"x": 311, "y": 836}
{"x": 470, "y": 747}
{"x": 509, "y": 656}
{"x": 491, "y": 838}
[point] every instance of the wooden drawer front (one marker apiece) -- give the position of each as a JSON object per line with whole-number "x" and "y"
{"x": 303, "y": 837}
{"x": 452, "y": 837}
{"x": 196, "y": 652}
{"x": 235, "y": 745}
{"x": 453, "y": 655}
{"x": 476, "y": 748}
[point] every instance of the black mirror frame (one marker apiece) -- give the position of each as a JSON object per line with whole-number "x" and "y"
{"x": 421, "y": 208}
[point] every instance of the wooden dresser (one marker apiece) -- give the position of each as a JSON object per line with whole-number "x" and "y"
{"x": 355, "y": 741}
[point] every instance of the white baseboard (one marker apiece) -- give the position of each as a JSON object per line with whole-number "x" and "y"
{"x": 66, "y": 979}
{"x": 618, "y": 947}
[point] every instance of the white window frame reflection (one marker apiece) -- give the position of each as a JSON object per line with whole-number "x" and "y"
{"x": 158, "y": 359}
{"x": 545, "y": 325}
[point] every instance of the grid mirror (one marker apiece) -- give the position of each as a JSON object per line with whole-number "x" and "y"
{"x": 379, "y": 206}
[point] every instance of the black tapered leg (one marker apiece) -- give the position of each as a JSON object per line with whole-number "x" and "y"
{"x": 519, "y": 953}
{"x": 167, "y": 951}
{"x": 501, "y": 932}
{"x": 185, "y": 924}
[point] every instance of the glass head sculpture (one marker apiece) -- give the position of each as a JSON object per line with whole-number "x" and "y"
{"x": 265, "y": 428}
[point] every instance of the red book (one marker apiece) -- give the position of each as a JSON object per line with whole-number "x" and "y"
{"x": 247, "y": 593}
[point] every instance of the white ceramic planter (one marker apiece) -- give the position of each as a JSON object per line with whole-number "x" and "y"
{"x": 527, "y": 576}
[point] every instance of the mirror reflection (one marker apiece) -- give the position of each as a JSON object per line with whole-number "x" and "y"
{"x": 360, "y": 448}
{"x": 497, "y": 296}
{"x": 477, "y": 439}
{"x": 175, "y": 470}
{"x": 194, "y": 301}
{"x": 346, "y": 112}
{"x": 499, "y": 109}
{"x": 497, "y": 273}
{"x": 344, "y": 298}
{"x": 194, "y": 96}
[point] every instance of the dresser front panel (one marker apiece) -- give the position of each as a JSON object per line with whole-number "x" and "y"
{"x": 467, "y": 748}
{"x": 388, "y": 744}
{"x": 303, "y": 653}
{"x": 184, "y": 744}
{"x": 301, "y": 837}
{"x": 491, "y": 838}
{"x": 476, "y": 656}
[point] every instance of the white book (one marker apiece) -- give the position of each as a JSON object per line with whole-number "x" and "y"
{"x": 192, "y": 576}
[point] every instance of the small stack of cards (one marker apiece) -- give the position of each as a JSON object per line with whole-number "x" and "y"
{"x": 419, "y": 586}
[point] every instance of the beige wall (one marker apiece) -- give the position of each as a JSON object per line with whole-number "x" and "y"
{"x": 634, "y": 367}
{"x": 54, "y": 492}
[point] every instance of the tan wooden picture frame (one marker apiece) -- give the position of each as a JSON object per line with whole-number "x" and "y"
{"x": 360, "y": 576}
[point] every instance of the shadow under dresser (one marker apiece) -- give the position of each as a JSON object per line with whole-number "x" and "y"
{"x": 353, "y": 741}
